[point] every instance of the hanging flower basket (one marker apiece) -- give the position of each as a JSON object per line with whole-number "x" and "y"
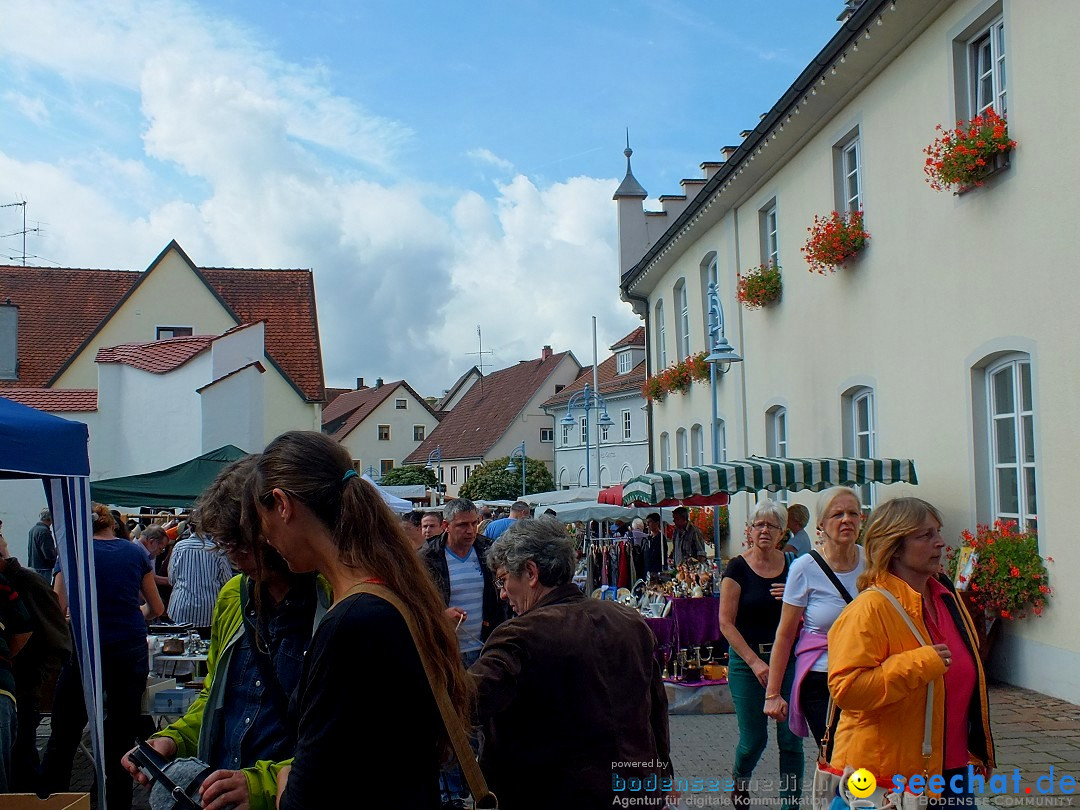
{"x": 676, "y": 378}
{"x": 760, "y": 286}
{"x": 963, "y": 158}
{"x": 834, "y": 240}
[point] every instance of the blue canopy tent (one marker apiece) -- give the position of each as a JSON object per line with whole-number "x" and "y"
{"x": 38, "y": 445}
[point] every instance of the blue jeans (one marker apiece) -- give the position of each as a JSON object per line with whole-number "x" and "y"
{"x": 8, "y": 727}
{"x": 748, "y": 695}
{"x": 452, "y": 778}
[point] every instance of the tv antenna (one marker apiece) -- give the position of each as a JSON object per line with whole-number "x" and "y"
{"x": 480, "y": 352}
{"x": 24, "y": 230}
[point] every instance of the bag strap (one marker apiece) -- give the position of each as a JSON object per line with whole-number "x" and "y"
{"x": 466, "y": 758}
{"x": 833, "y": 578}
{"x": 928, "y": 720}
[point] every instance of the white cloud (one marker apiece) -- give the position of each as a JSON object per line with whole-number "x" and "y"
{"x": 275, "y": 171}
{"x": 487, "y": 156}
{"x": 32, "y": 108}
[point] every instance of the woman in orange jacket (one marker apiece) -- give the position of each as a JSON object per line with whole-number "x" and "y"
{"x": 879, "y": 671}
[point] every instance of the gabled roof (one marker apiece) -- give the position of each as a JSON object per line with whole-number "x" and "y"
{"x": 156, "y": 356}
{"x": 62, "y": 309}
{"x": 607, "y": 377}
{"x": 449, "y": 395}
{"x": 349, "y": 409}
{"x": 635, "y": 338}
{"x": 487, "y": 410}
{"x": 54, "y": 400}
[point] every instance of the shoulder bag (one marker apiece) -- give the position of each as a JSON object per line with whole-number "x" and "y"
{"x": 483, "y": 797}
{"x": 828, "y": 783}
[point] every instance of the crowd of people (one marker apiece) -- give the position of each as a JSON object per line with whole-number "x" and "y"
{"x": 349, "y": 647}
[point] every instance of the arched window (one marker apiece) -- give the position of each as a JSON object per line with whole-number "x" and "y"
{"x": 860, "y": 434}
{"x": 776, "y": 440}
{"x": 682, "y": 320}
{"x": 627, "y": 473}
{"x": 564, "y": 478}
{"x": 582, "y": 481}
{"x": 721, "y": 440}
{"x": 661, "y": 337}
{"x": 682, "y": 452}
{"x": 710, "y": 274}
{"x": 665, "y": 451}
{"x": 1010, "y": 440}
{"x": 697, "y": 445}
{"x": 605, "y": 478}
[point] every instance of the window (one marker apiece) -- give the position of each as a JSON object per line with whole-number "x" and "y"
{"x": 565, "y": 435}
{"x": 418, "y": 433}
{"x": 861, "y": 439}
{"x": 384, "y": 433}
{"x": 665, "y": 451}
{"x": 465, "y": 473}
{"x": 1012, "y": 441}
{"x": 848, "y": 167}
{"x": 166, "y": 332}
{"x": 623, "y": 359}
{"x": 776, "y": 440}
{"x": 710, "y": 274}
{"x": 547, "y": 435}
{"x": 453, "y": 475}
{"x": 584, "y": 430}
{"x": 401, "y": 404}
{"x": 661, "y": 337}
{"x": 770, "y": 244}
{"x": 442, "y": 474}
{"x": 986, "y": 69}
{"x": 604, "y": 432}
{"x": 721, "y": 439}
{"x": 697, "y": 445}
{"x": 626, "y": 425}
{"x": 682, "y": 323}
{"x": 627, "y": 473}
{"x": 582, "y": 480}
{"x": 682, "y": 452}
{"x": 385, "y": 466}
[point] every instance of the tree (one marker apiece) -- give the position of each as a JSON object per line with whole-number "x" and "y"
{"x": 491, "y": 481}
{"x": 413, "y": 474}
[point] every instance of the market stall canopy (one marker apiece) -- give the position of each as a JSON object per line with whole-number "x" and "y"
{"x": 562, "y": 496}
{"x": 178, "y": 486}
{"x": 760, "y": 473}
{"x": 586, "y": 511}
{"x": 615, "y": 495}
{"x": 397, "y": 505}
{"x": 35, "y": 444}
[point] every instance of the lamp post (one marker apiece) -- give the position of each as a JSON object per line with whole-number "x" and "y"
{"x": 434, "y": 462}
{"x": 721, "y": 356}
{"x": 588, "y": 399}
{"x": 517, "y": 452}
{"x": 371, "y": 472}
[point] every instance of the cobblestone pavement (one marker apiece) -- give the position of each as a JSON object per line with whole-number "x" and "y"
{"x": 1033, "y": 734}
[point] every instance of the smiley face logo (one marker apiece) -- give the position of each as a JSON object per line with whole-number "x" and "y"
{"x": 861, "y": 783}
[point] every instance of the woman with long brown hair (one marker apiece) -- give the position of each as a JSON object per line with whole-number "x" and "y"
{"x": 368, "y": 722}
{"x": 883, "y": 657}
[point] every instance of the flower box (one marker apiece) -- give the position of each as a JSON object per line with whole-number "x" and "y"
{"x": 967, "y": 156}
{"x": 834, "y": 240}
{"x": 676, "y": 378}
{"x": 760, "y": 286}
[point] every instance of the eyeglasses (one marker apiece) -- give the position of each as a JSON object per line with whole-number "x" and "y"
{"x": 758, "y": 525}
{"x": 500, "y": 583}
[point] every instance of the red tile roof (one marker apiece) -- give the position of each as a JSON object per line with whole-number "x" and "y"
{"x": 608, "y": 378}
{"x": 54, "y": 400}
{"x": 487, "y": 410}
{"x": 635, "y": 338}
{"x": 334, "y": 393}
{"x": 156, "y": 356}
{"x": 348, "y": 410}
{"x": 61, "y": 308}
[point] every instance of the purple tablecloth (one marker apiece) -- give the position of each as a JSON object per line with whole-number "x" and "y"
{"x": 664, "y": 630}
{"x": 697, "y": 621}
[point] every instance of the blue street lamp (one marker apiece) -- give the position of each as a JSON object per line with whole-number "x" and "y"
{"x": 434, "y": 462}
{"x": 518, "y": 452}
{"x": 370, "y": 471}
{"x": 588, "y": 399}
{"x": 721, "y": 356}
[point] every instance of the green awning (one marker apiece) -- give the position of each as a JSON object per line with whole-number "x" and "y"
{"x": 760, "y": 473}
{"x": 177, "y": 486}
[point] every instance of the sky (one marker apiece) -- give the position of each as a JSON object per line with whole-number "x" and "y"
{"x": 438, "y": 165}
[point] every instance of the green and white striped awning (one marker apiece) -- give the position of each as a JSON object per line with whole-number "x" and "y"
{"x": 760, "y": 473}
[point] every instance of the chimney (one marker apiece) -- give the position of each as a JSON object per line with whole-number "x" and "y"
{"x": 9, "y": 341}
{"x": 359, "y": 383}
{"x": 545, "y": 354}
{"x": 378, "y": 382}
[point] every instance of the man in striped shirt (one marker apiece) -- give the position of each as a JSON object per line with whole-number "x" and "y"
{"x": 197, "y": 572}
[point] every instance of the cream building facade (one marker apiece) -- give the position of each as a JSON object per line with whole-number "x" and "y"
{"x": 946, "y": 340}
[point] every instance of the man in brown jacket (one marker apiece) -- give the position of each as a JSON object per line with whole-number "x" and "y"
{"x": 567, "y": 668}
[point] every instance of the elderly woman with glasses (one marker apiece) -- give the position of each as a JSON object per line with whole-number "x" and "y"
{"x": 568, "y": 687}
{"x": 750, "y": 608}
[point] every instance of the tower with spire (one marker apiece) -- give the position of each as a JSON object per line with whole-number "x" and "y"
{"x": 633, "y": 227}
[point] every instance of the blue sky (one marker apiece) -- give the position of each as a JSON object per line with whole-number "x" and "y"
{"x": 437, "y": 164}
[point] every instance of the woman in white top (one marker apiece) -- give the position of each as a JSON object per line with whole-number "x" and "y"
{"x": 811, "y": 595}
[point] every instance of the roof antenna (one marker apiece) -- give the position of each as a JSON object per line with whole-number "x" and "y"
{"x": 24, "y": 230}
{"x": 480, "y": 355}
